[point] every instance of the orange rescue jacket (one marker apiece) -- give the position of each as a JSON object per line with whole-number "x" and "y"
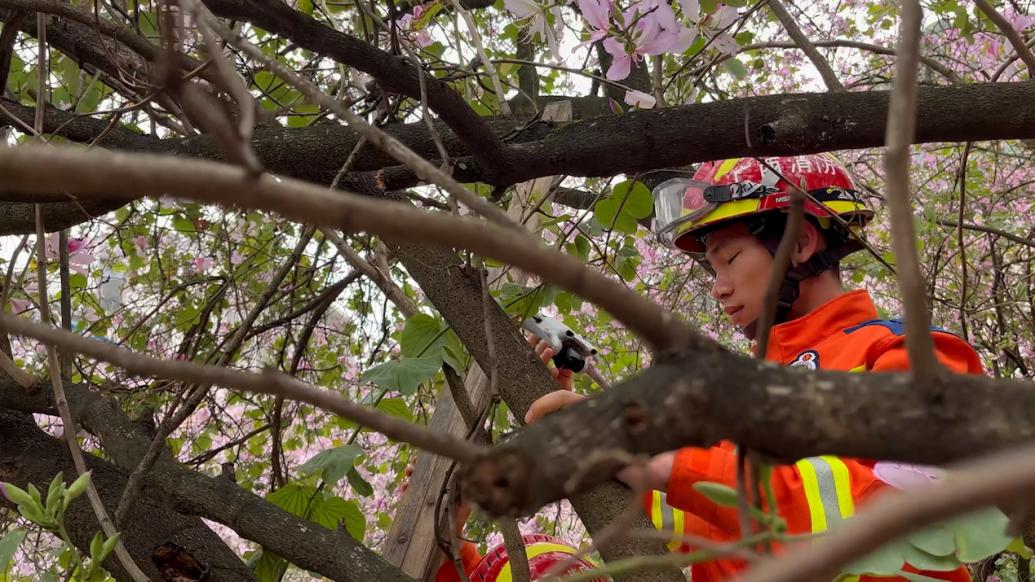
{"x": 811, "y": 495}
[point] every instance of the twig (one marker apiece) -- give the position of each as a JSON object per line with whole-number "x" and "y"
{"x": 1015, "y": 38}
{"x": 14, "y": 21}
{"x": 70, "y": 429}
{"x": 233, "y": 85}
{"x": 66, "y": 297}
{"x": 477, "y": 38}
{"x": 422, "y": 168}
{"x": 516, "y": 555}
{"x": 959, "y": 240}
{"x": 993, "y": 480}
{"x": 932, "y": 64}
{"x": 268, "y": 382}
{"x": 392, "y": 291}
{"x": 794, "y": 31}
{"x": 781, "y": 262}
{"x": 982, "y": 228}
{"x": 900, "y": 133}
{"x": 106, "y": 174}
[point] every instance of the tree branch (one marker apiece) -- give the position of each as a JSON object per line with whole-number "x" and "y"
{"x": 268, "y": 382}
{"x": 701, "y": 398}
{"x": 1015, "y": 38}
{"x": 900, "y": 132}
{"x": 393, "y": 71}
{"x": 932, "y": 64}
{"x": 802, "y": 41}
{"x": 28, "y": 455}
{"x": 133, "y": 175}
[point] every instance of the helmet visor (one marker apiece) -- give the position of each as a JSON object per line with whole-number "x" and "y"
{"x": 678, "y": 201}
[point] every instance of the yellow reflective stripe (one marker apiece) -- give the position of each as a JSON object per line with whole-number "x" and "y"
{"x": 532, "y": 551}
{"x": 725, "y": 167}
{"x": 655, "y": 510}
{"x": 828, "y": 490}
{"x": 861, "y": 368}
{"x": 842, "y": 486}
{"x": 812, "y": 496}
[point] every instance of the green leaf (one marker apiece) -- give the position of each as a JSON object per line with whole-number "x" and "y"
{"x": 922, "y": 560}
{"x": 637, "y": 198}
{"x": 980, "y": 534}
{"x": 359, "y": 484}
{"x": 18, "y": 495}
{"x": 397, "y": 408}
{"x": 422, "y": 336}
{"x": 736, "y": 68}
{"x": 184, "y": 224}
{"x": 335, "y": 510}
{"x": 937, "y": 539}
{"x": 885, "y": 561}
{"x": 332, "y": 464}
{"x": 717, "y": 493}
{"x": 404, "y": 375}
{"x": 268, "y": 566}
{"x": 95, "y": 545}
{"x": 917, "y": 577}
{"x": 582, "y": 244}
{"x": 8, "y": 546}
{"x": 709, "y": 6}
{"x": 293, "y": 498}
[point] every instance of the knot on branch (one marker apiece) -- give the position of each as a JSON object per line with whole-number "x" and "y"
{"x": 499, "y": 484}
{"x": 790, "y": 126}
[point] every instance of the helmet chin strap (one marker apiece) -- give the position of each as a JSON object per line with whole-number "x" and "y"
{"x": 790, "y": 287}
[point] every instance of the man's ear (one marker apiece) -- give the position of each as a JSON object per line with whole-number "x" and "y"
{"x": 810, "y": 242}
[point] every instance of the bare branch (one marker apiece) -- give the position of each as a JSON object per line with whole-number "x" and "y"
{"x": 901, "y": 130}
{"x": 1015, "y": 38}
{"x": 269, "y": 382}
{"x": 818, "y": 60}
{"x": 70, "y": 428}
{"x": 930, "y": 63}
{"x": 998, "y": 232}
{"x": 95, "y": 173}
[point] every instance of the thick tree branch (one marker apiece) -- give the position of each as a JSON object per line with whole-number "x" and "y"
{"x": 134, "y": 175}
{"x": 395, "y": 72}
{"x": 803, "y": 42}
{"x": 981, "y": 228}
{"x": 702, "y": 398}
{"x": 269, "y": 382}
{"x": 636, "y": 142}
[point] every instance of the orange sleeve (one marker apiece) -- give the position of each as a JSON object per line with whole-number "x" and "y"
{"x": 718, "y": 464}
{"x": 953, "y": 352}
{"x": 469, "y": 556}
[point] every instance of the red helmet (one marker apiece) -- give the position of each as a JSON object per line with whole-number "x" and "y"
{"x": 544, "y": 552}
{"x": 725, "y": 190}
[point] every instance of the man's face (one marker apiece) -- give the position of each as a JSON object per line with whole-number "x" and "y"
{"x": 742, "y": 266}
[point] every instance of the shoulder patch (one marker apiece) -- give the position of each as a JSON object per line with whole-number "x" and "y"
{"x": 807, "y": 359}
{"x": 895, "y": 326}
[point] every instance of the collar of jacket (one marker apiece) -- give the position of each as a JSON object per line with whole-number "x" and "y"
{"x": 790, "y": 338}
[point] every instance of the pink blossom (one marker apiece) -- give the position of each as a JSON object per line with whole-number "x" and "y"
{"x": 656, "y": 31}
{"x": 202, "y": 264}
{"x": 141, "y": 243}
{"x": 598, "y": 14}
{"x": 639, "y": 99}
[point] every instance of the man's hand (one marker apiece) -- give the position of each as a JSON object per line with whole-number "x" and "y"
{"x": 563, "y": 397}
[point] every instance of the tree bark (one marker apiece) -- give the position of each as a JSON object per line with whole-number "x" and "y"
{"x": 697, "y": 399}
